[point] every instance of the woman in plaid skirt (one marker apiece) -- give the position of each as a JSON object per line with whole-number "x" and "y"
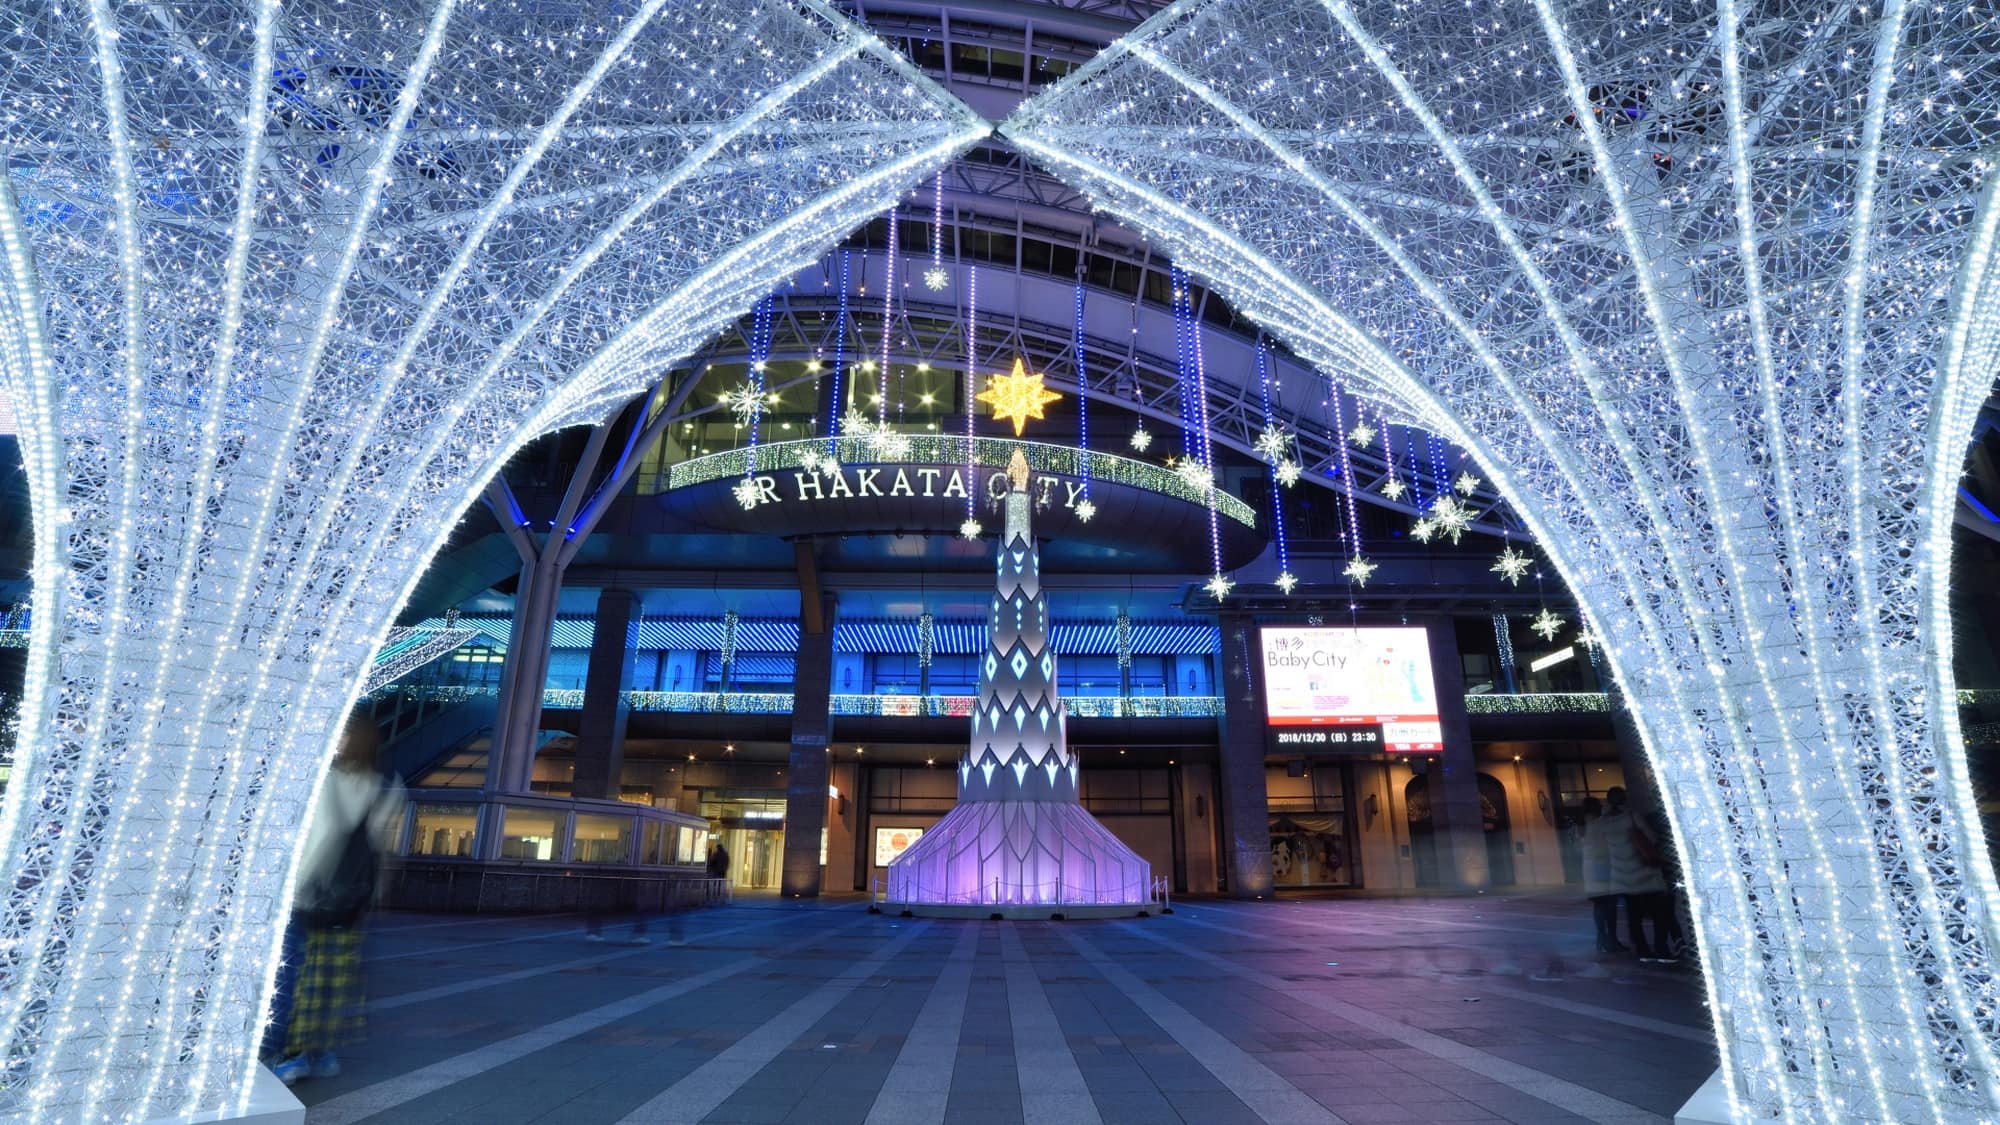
{"x": 336, "y": 885}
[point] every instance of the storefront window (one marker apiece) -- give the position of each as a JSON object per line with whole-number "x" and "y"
{"x": 602, "y": 839}
{"x": 528, "y": 834}
{"x": 689, "y": 848}
{"x": 650, "y": 852}
{"x": 444, "y": 830}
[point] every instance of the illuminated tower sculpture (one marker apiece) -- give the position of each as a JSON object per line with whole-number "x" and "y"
{"x": 1018, "y": 838}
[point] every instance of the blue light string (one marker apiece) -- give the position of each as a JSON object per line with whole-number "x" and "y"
{"x": 839, "y": 360}
{"x": 1183, "y": 361}
{"x": 1440, "y": 475}
{"x": 1082, "y": 394}
{"x": 1203, "y": 443}
{"x": 760, "y": 351}
{"x": 1416, "y": 470}
{"x": 888, "y": 329}
{"x": 1277, "y": 490}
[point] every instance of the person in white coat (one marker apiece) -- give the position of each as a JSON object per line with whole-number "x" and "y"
{"x": 1597, "y": 879}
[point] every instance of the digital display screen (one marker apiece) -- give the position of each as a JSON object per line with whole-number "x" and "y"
{"x": 892, "y": 842}
{"x": 1350, "y": 689}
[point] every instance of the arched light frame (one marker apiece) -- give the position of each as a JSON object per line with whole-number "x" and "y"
{"x": 1711, "y": 331}
{"x": 267, "y": 340}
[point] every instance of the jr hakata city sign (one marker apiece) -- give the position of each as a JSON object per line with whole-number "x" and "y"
{"x": 1365, "y": 689}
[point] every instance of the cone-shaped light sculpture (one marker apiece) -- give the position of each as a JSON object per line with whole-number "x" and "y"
{"x": 1018, "y": 838}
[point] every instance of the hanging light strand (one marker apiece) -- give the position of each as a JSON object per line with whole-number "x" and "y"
{"x": 1347, "y": 468}
{"x": 839, "y": 361}
{"x": 1285, "y": 578}
{"x": 1204, "y": 446}
{"x": 760, "y": 353}
{"x": 1082, "y": 394}
{"x": 888, "y": 330}
{"x": 971, "y": 380}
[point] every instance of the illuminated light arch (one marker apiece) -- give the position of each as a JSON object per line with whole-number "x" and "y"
{"x": 1710, "y": 293}
{"x": 267, "y": 338}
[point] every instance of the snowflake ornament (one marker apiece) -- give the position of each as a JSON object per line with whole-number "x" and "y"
{"x": 1547, "y": 624}
{"x": 1394, "y": 488}
{"x": 969, "y": 529}
{"x": 1424, "y": 530}
{"x": 1362, "y": 435}
{"x": 1194, "y": 474}
{"x": 1453, "y": 518}
{"x": 1141, "y": 438}
{"x": 935, "y": 279}
{"x": 1288, "y": 473}
{"x": 1272, "y": 444}
{"x": 747, "y": 493}
{"x": 1358, "y": 570}
{"x": 1287, "y": 581}
{"x": 746, "y": 402}
{"x": 1218, "y": 587}
{"x": 1085, "y": 510}
{"x": 1512, "y": 565}
{"x": 809, "y": 460}
{"x": 1466, "y": 484}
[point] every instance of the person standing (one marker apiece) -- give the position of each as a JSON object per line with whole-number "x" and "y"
{"x": 334, "y": 889}
{"x": 1636, "y": 873}
{"x": 1597, "y": 879}
{"x": 718, "y": 861}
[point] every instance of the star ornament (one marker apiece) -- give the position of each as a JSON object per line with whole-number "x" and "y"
{"x": 1358, "y": 570}
{"x": 1453, "y": 518}
{"x": 1467, "y": 484}
{"x": 1141, "y": 438}
{"x": 1287, "y": 581}
{"x": 1512, "y": 565}
{"x": 747, "y": 493}
{"x": 1362, "y": 435}
{"x": 1288, "y": 473}
{"x": 1194, "y": 474}
{"x": 1547, "y": 624}
{"x": 1017, "y": 396}
{"x": 1085, "y": 510}
{"x": 969, "y": 529}
{"x": 1394, "y": 488}
{"x": 1424, "y": 530}
{"x": 746, "y": 402}
{"x": 1218, "y": 587}
{"x": 935, "y": 279}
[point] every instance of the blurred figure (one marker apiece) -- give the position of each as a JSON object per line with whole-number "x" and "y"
{"x": 1597, "y": 879}
{"x": 718, "y": 861}
{"x": 1636, "y": 873}
{"x": 336, "y": 886}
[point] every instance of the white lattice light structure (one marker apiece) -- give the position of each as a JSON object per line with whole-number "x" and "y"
{"x": 1710, "y": 291}
{"x": 283, "y": 288}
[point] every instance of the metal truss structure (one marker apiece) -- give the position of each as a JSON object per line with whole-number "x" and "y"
{"x": 283, "y": 288}
{"x": 1710, "y": 292}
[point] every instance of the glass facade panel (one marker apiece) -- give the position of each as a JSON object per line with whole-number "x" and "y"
{"x": 649, "y": 851}
{"x": 529, "y": 834}
{"x": 444, "y": 830}
{"x": 602, "y": 839}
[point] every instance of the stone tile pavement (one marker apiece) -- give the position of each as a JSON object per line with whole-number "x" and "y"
{"x": 1361, "y": 1011}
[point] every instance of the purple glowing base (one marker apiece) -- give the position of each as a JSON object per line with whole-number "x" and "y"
{"x": 1020, "y": 854}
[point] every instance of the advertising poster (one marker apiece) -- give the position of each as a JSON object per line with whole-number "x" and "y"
{"x": 892, "y": 842}
{"x": 1364, "y": 689}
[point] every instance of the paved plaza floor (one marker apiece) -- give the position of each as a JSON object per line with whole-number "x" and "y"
{"x": 1324, "y": 1010}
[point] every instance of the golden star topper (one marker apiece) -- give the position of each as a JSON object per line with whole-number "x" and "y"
{"x": 1019, "y": 396}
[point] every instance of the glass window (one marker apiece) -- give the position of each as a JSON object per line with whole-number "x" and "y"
{"x": 602, "y": 839}
{"x": 444, "y": 830}
{"x": 528, "y": 834}
{"x": 690, "y": 848}
{"x": 650, "y": 851}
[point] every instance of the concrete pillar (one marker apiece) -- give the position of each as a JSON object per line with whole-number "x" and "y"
{"x": 518, "y": 720}
{"x": 1246, "y": 820}
{"x": 1454, "y": 784}
{"x": 806, "y": 775}
{"x": 600, "y": 736}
